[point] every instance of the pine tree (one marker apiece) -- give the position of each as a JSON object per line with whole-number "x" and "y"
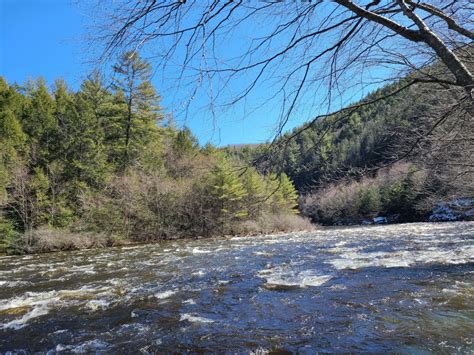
{"x": 11, "y": 131}
{"x": 368, "y": 202}
{"x": 12, "y": 146}
{"x": 132, "y": 79}
{"x": 98, "y": 98}
{"x": 282, "y": 195}
{"x": 12, "y": 137}
{"x": 227, "y": 192}
{"x": 86, "y": 156}
{"x": 114, "y": 128}
{"x": 9, "y": 237}
{"x": 40, "y": 124}
{"x": 255, "y": 193}
{"x": 184, "y": 142}
{"x": 12, "y": 141}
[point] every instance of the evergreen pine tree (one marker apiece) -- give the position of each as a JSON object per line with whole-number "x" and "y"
{"x": 227, "y": 192}
{"x": 254, "y": 199}
{"x": 184, "y": 142}
{"x": 40, "y": 124}
{"x": 132, "y": 80}
{"x": 282, "y": 195}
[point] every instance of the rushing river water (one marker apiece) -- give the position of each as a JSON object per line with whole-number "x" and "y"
{"x": 399, "y": 287}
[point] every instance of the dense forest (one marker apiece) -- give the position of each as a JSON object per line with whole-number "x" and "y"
{"x": 100, "y": 166}
{"x": 381, "y": 159}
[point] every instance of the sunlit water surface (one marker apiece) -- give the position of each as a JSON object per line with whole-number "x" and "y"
{"x": 399, "y": 287}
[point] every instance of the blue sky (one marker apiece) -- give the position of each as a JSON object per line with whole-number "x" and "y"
{"x": 47, "y": 38}
{"x": 39, "y": 38}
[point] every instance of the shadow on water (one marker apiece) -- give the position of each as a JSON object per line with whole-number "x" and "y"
{"x": 325, "y": 291}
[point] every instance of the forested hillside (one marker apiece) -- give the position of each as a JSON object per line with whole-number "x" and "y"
{"x": 397, "y": 156}
{"x": 99, "y": 166}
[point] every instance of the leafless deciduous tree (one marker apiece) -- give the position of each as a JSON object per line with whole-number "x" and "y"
{"x": 311, "y": 57}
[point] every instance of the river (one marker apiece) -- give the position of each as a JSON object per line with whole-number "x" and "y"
{"x": 407, "y": 287}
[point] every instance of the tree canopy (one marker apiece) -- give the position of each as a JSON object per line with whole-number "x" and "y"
{"x": 98, "y": 162}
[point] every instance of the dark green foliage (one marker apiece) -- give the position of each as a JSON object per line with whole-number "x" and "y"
{"x": 140, "y": 110}
{"x": 401, "y": 197}
{"x": 40, "y": 123}
{"x": 342, "y": 145}
{"x": 184, "y": 142}
{"x": 368, "y": 202}
{"x": 97, "y": 161}
{"x": 9, "y": 237}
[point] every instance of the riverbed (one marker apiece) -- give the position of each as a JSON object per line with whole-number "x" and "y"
{"x": 407, "y": 287}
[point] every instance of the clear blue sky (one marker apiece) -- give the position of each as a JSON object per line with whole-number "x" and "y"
{"x": 47, "y": 38}
{"x": 40, "y": 38}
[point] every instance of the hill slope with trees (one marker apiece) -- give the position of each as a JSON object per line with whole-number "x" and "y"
{"x": 98, "y": 166}
{"x": 395, "y": 157}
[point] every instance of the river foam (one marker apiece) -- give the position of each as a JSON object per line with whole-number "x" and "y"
{"x": 357, "y": 289}
{"x": 32, "y": 305}
{"x": 193, "y": 318}
{"x": 165, "y": 294}
{"x": 283, "y": 277}
{"x": 356, "y": 259}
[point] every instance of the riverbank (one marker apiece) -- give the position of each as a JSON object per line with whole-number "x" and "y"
{"x": 54, "y": 240}
{"x": 46, "y": 240}
{"x": 449, "y": 211}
